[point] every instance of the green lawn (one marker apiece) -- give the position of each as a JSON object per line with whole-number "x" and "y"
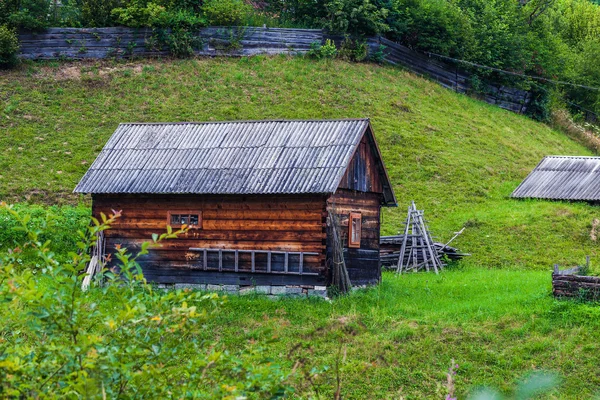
{"x": 398, "y": 339}
{"x": 457, "y": 157}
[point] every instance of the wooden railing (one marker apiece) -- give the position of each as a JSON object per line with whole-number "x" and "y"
{"x": 269, "y": 255}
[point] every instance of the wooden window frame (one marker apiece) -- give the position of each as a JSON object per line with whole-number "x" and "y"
{"x": 185, "y": 212}
{"x": 354, "y": 216}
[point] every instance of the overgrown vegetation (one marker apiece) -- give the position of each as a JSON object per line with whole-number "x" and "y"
{"x": 554, "y": 39}
{"x": 9, "y": 46}
{"x": 120, "y": 340}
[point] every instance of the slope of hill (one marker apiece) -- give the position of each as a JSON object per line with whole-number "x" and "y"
{"x": 458, "y": 158}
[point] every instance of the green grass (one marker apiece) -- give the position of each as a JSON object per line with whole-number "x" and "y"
{"x": 458, "y": 158}
{"x": 398, "y": 339}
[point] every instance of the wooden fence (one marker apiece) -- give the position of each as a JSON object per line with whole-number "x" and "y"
{"x": 567, "y": 283}
{"x": 451, "y": 76}
{"x": 82, "y": 43}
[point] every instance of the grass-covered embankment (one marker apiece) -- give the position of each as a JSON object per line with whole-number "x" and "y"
{"x": 458, "y": 158}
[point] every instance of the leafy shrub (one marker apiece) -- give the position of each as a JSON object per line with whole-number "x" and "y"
{"x": 113, "y": 339}
{"x": 378, "y": 55}
{"x": 55, "y": 223}
{"x": 432, "y": 25}
{"x": 225, "y": 12}
{"x": 9, "y": 47}
{"x": 353, "y": 50}
{"x": 356, "y": 17}
{"x": 98, "y": 13}
{"x": 325, "y": 51}
{"x": 140, "y": 15}
{"x": 29, "y": 14}
{"x": 67, "y": 13}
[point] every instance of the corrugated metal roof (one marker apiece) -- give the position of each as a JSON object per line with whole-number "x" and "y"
{"x": 243, "y": 157}
{"x": 563, "y": 178}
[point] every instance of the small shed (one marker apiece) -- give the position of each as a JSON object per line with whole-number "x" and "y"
{"x": 563, "y": 178}
{"x": 257, "y": 196}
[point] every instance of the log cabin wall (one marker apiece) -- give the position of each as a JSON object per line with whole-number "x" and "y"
{"x": 360, "y": 191}
{"x": 362, "y": 173}
{"x": 362, "y": 263}
{"x": 294, "y": 223}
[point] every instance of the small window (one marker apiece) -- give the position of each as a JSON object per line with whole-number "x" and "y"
{"x": 354, "y": 230}
{"x": 191, "y": 218}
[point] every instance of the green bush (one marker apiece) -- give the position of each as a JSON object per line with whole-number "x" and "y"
{"x": 9, "y": 47}
{"x": 28, "y": 14}
{"x": 98, "y": 13}
{"x": 356, "y": 17}
{"x": 325, "y": 51}
{"x": 113, "y": 339}
{"x": 139, "y": 15}
{"x": 353, "y": 50}
{"x": 56, "y": 224}
{"x": 225, "y": 12}
{"x": 431, "y": 25}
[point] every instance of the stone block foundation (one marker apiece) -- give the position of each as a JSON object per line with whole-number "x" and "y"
{"x": 268, "y": 290}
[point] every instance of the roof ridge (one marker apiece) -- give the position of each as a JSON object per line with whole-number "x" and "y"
{"x": 244, "y": 121}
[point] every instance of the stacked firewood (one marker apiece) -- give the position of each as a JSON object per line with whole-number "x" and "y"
{"x": 420, "y": 252}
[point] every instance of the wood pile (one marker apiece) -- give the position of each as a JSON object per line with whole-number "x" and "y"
{"x": 416, "y": 245}
{"x": 567, "y": 283}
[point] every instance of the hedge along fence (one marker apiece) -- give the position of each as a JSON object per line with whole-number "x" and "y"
{"x": 121, "y": 42}
{"x": 567, "y": 283}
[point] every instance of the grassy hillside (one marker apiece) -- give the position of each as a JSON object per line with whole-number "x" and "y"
{"x": 458, "y": 158}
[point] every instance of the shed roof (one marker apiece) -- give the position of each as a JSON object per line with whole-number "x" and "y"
{"x": 240, "y": 157}
{"x": 563, "y": 178}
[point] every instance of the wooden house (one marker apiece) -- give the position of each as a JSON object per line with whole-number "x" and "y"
{"x": 256, "y": 195}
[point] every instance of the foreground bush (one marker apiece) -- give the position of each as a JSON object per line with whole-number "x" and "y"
{"x": 9, "y": 46}
{"x": 118, "y": 340}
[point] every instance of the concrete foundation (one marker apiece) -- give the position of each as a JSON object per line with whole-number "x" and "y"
{"x": 289, "y": 291}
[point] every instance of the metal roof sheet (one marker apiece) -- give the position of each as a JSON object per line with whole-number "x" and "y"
{"x": 244, "y": 157}
{"x": 563, "y": 178}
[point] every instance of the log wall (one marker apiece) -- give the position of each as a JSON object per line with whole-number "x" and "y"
{"x": 276, "y": 223}
{"x": 122, "y": 42}
{"x": 362, "y": 173}
{"x": 575, "y": 286}
{"x": 362, "y": 263}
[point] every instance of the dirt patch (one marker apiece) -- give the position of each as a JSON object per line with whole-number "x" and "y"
{"x": 87, "y": 69}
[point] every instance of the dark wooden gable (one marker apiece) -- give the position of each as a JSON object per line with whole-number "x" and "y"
{"x": 363, "y": 173}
